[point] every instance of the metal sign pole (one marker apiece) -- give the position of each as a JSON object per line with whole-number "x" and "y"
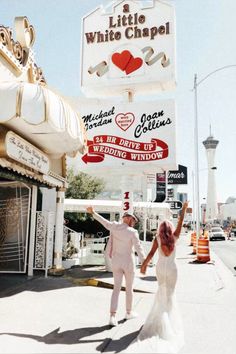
{"x": 127, "y": 194}
{"x": 196, "y": 160}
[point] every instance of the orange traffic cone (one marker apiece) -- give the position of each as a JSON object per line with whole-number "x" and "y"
{"x": 203, "y": 251}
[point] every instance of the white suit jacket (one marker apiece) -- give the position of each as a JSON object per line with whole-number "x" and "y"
{"x": 123, "y": 240}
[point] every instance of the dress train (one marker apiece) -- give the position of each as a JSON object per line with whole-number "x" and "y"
{"x": 162, "y": 331}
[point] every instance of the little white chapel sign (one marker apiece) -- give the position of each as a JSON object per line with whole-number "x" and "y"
{"x": 131, "y": 48}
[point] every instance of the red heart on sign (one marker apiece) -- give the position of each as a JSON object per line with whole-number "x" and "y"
{"x": 121, "y": 59}
{"x": 133, "y": 65}
{"x": 124, "y": 121}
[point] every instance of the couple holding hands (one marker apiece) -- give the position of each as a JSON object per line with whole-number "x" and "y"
{"x": 162, "y": 331}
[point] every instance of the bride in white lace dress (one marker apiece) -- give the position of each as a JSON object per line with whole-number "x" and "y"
{"x": 162, "y": 331}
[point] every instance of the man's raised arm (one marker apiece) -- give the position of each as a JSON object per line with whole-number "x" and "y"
{"x": 181, "y": 219}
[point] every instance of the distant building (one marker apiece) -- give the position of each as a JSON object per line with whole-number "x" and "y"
{"x": 228, "y": 210}
{"x": 211, "y": 205}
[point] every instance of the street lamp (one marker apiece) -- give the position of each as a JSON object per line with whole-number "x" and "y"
{"x": 196, "y": 84}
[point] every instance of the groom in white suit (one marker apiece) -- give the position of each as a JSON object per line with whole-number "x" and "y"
{"x": 122, "y": 242}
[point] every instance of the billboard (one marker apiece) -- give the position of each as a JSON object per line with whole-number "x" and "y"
{"x": 129, "y": 137}
{"x": 179, "y": 176}
{"x": 131, "y": 48}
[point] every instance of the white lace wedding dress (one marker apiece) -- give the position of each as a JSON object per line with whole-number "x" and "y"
{"x": 162, "y": 332}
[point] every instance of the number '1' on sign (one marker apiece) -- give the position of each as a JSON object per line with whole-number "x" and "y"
{"x": 127, "y": 194}
{"x": 126, "y": 203}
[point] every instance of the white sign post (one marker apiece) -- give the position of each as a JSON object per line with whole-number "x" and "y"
{"x": 127, "y": 189}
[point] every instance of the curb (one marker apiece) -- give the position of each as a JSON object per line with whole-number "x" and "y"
{"x": 100, "y": 284}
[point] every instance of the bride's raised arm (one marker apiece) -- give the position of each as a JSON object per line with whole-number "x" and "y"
{"x": 181, "y": 219}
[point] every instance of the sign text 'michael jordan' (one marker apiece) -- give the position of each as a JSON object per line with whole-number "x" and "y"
{"x": 131, "y": 23}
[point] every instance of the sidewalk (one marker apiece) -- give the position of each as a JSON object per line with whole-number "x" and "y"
{"x": 63, "y": 315}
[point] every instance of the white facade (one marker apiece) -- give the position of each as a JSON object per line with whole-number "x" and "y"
{"x": 228, "y": 211}
{"x": 38, "y": 130}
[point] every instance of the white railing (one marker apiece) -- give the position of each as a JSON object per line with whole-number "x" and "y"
{"x": 95, "y": 248}
{"x": 80, "y": 250}
{"x": 91, "y": 251}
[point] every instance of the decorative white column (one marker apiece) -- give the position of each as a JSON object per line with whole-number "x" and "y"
{"x": 32, "y": 230}
{"x": 59, "y": 229}
{"x": 211, "y": 206}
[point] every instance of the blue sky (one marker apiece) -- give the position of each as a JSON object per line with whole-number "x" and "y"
{"x": 205, "y": 31}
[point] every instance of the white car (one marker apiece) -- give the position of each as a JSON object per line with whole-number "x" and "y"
{"x": 216, "y": 232}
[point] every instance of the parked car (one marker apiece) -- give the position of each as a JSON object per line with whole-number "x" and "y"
{"x": 216, "y": 233}
{"x": 233, "y": 232}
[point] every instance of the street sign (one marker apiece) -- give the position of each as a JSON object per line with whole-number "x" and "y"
{"x": 174, "y": 204}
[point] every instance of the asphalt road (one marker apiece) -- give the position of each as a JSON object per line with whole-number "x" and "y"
{"x": 226, "y": 250}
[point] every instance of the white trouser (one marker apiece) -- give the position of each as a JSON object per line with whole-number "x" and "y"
{"x": 118, "y": 273}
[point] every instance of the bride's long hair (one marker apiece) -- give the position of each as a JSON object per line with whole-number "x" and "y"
{"x": 166, "y": 233}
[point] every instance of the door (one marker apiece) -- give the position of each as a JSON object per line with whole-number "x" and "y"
{"x": 14, "y": 223}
